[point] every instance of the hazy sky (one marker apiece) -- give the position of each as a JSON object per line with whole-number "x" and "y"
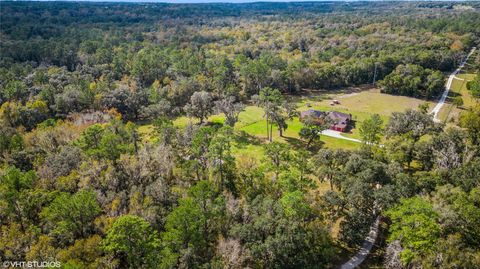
{"x": 237, "y": 1}
{"x": 208, "y": 1}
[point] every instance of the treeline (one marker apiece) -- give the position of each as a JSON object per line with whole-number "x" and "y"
{"x": 157, "y": 88}
{"x": 60, "y": 58}
{"x": 413, "y": 80}
{"x": 234, "y": 55}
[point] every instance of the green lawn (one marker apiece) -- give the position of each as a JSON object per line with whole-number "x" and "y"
{"x": 362, "y": 104}
{"x": 252, "y": 128}
{"x": 259, "y": 129}
{"x": 449, "y": 112}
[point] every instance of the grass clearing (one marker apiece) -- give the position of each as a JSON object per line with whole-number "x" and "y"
{"x": 363, "y": 104}
{"x": 449, "y": 111}
{"x": 251, "y": 128}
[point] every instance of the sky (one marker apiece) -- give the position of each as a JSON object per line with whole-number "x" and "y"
{"x": 233, "y": 1}
{"x": 205, "y": 1}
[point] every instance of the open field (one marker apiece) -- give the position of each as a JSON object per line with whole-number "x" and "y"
{"x": 360, "y": 103}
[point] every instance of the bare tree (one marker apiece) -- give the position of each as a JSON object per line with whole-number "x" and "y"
{"x": 230, "y": 108}
{"x": 392, "y": 256}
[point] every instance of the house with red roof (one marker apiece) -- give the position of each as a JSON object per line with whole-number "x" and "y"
{"x": 340, "y": 120}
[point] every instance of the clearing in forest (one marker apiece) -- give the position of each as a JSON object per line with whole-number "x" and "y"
{"x": 360, "y": 103}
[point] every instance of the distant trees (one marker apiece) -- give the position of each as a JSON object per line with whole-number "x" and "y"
{"x": 94, "y": 73}
{"x": 413, "y": 80}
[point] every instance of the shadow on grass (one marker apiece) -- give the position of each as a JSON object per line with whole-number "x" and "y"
{"x": 323, "y": 94}
{"x": 244, "y": 139}
{"x": 297, "y": 144}
{"x": 451, "y": 95}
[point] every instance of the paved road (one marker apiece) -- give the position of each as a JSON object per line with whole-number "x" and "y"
{"x": 441, "y": 102}
{"x": 366, "y": 247}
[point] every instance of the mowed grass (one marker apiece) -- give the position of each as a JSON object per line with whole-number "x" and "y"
{"x": 361, "y": 104}
{"x": 291, "y": 135}
{"x": 450, "y": 112}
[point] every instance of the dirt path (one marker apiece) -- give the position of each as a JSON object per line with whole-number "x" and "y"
{"x": 441, "y": 102}
{"x": 366, "y": 247}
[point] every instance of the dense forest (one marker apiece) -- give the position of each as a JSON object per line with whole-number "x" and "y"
{"x": 80, "y": 184}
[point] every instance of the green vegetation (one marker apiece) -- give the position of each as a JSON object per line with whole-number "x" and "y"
{"x": 133, "y": 241}
{"x": 473, "y": 86}
{"x": 155, "y": 135}
{"x": 371, "y": 129}
{"x": 413, "y": 80}
{"x": 415, "y": 222}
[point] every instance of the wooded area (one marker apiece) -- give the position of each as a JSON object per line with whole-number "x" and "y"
{"x": 82, "y": 185}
